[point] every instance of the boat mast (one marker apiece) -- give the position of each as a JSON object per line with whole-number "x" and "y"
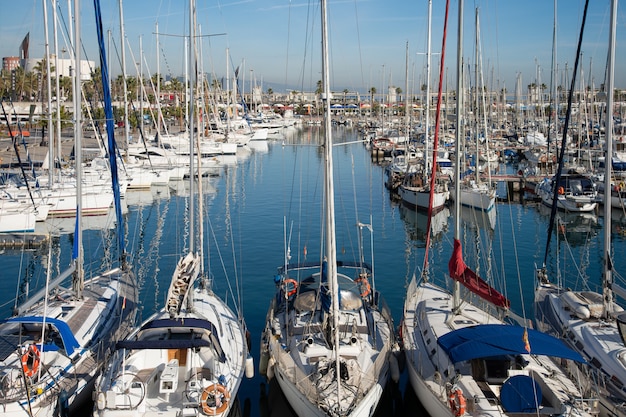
{"x": 192, "y": 105}
{"x": 123, "y": 41}
{"x": 57, "y": 84}
{"x": 78, "y": 281}
{"x": 608, "y": 161}
{"x": 459, "y": 135}
{"x": 49, "y": 92}
{"x": 427, "y": 104}
{"x": 329, "y": 194}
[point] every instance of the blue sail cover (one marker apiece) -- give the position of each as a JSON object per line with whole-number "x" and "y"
{"x": 69, "y": 340}
{"x": 110, "y": 126}
{"x": 489, "y": 340}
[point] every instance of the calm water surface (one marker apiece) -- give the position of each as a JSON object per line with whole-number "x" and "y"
{"x": 265, "y": 201}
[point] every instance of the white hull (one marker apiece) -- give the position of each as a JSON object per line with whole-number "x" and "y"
{"x": 79, "y": 333}
{"x": 420, "y": 197}
{"x": 305, "y": 367}
{"x": 428, "y": 316}
{"x": 579, "y": 316}
{"x": 477, "y": 197}
{"x": 571, "y": 198}
{"x": 179, "y": 358}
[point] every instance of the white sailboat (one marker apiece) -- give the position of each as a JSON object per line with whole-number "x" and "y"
{"x": 474, "y": 192}
{"x": 415, "y": 190}
{"x": 592, "y": 322}
{"x": 54, "y": 346}
{"x": 463, "y": 359}
{"x": 329, "y": 336}
{"x": 189, "y": 358}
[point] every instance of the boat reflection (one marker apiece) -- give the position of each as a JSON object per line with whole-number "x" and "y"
{"x": 575, "y": 228}
{"x": 417, "y": 222}
{"x": 481, "y": 219}
{"x": 147, "y": 197}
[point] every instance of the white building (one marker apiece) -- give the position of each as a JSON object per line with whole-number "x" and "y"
{"x": 65, "y": 66}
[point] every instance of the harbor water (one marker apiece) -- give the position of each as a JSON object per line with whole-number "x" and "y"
{"x": 264, "y": 208}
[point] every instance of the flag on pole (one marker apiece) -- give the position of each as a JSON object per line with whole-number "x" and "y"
{"x": 526, "y": 342}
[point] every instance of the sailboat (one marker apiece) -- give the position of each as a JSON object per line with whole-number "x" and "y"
{"x": 418, "y": 181}
{"x": 462, "y": 357}
{"x": 592, "y": 322}
{"x": 474, "y": 192}
{"x": 55, "y": 344}
{"x": 329, "y": 336}
{"x": 189, "y": 358}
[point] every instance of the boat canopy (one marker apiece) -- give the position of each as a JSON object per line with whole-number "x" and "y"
{"x": 491, "y": 340}
{"x": 69, "y": 340}
{"x": 191, "y": 341}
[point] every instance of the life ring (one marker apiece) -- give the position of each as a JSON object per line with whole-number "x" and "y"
{"x": 457, "y": 402}
{"x": 543, "y": 159}
{"x": 290, "y": 281}
{"x": 214, "y": 399}
{"x": 561, "y": 190}
{"x": 365, "y": 285}
{"x": 30, "y": 361}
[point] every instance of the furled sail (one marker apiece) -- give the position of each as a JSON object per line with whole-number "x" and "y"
{"x": 459, "y": 271}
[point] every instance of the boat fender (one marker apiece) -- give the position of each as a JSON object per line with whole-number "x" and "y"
{"x": 394, "y": 368}
{"x": 101, "y": 401}
{"x": 270, "y": 368}
{"x": 63, "y": 404}
{"x": 249, "y": 367}
{"x": 398, "y": 352}
{"x": 265, "y": 357}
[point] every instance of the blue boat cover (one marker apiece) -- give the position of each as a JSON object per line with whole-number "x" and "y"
{"x": 490, "y": 340}
{"x": 520, "y": 394}
{"x": 69, "y": 340}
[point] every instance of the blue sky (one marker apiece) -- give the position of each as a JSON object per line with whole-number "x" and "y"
{"x": 277, "y": 41}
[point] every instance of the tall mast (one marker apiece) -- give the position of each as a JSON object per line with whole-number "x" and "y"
{"x": 427, "y": 104}
{"x": 192, "y": 108}
{"x": 57, "y": 83}
{"x": 49, "y": 92}
{"x": 329, "y": 194}
{"x": 78, "y": 282}
{"x": 608, "y": 161}
{"x": 123, "y": 44}
{"x": 459, "y": 136}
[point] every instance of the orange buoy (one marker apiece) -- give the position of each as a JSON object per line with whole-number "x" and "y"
{"x": 287, "y": 283}
{"x": 457, "y": 402}
{"x": 30, "y": 361}
{"x": 214, "y": 399}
